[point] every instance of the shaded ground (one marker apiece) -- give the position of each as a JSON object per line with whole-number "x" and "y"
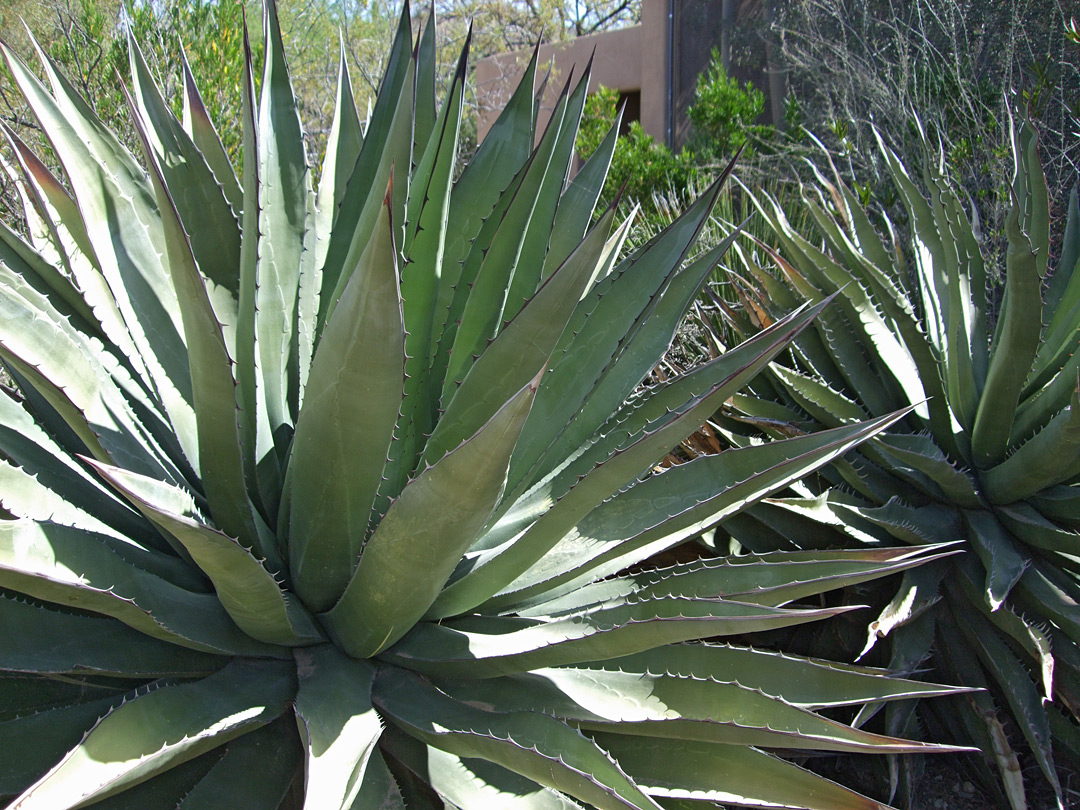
{"x": 945, "y": 787}
{"x": 948, "y": 783}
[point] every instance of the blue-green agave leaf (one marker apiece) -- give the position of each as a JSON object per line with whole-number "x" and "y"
{"x": 204, "y": 135}
{"x": 356, "y": 379}
{"x": 807, "y": 682}
{"x": 486, "y": 647}
{"x": 337, "y": 723}
{"x": 250, "y": 594}
{"x": 535, "y": 745}
{"x": 64, "y": 565}
{"x": 118, "y": 207}
{"x": 162, "y": 728}
{"x": 268, "y": 757}
{"x": 42, "y": 639}
{"x": 286, "y": 290}
{"x": 728, "y": 773}
{"x": 415, "y": 548}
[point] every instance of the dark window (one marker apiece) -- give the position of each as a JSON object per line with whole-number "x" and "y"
{"x": 633, "y": 109}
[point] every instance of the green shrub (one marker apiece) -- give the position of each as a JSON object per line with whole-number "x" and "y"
{"x": 725, "y": 114}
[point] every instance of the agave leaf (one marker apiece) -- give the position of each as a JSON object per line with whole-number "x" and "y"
{"x": 857, "y": 240}
{"x": 806, "y": 682}
{"x": 1063, "y": 291}
{"x": 919, "y": 525}
{"x": 204, "y": 135}
{"x": 342, "y": 149}
{"x": 1023, "y": 520}
{"x": 490, "y": 273}
{"x": 25, "y": 444}
{"x": 522, "y": 349}
{"x": 1060, "y": 504}
{"x": 890, "y": 355}
{"x": 1062, "y": 304}
{"x": 36, "y": 269}
{"x": 465, "y": 782}
{"x": 245, "y": 588}
{"x": 26, "y": 694}
{"x": 286, "y": 226}
{"x": 612, "y": 311}
{"x": 879, "y": 273}
{"x": 1050, "y": 457}
{"x": 1043, "y": 589}
{"x": 652, "y": 336}
{"x": 338, "y": 724}
{"x": 39, "y": 344}
{"x": 406, "y": 759}
{"x": 213, "y": 386}
{"x": 163, "y": 728}
{"x": 673, "y": 506}
{"x": 208, "y": 219}
{"x": 772, "y": 579}
{"x": 380, "y": 787}
{"x": 69, "y": 234}
{"x": 24, "y": 497}
{"x": 493, "y": 569}
{"x": 41, "y": 639}
{"x": 486, "y": 647}
{"x": 31, "y": 744}
{"x": 965, "y": 365}
{"x": 42, "y": 235}
{"x": 356, "y": 378}
{"x": 548, "y": 198}
{"x": 534, "y": 745}
{"x": 488, "y": 572}
{"x": 918, "y": 592}
{"x": 60, "y": 564}
{"x": 480, "y": 187}
{"x": 48, "y": 484}
{"x": 830, "y": 407}
{"x": 746, "y": 776}
{"x": 997, "y": 551}
{"x": 117, "y": 205}
{"x": 820, "y": 276}
{"x": 922, "y": 454}
{"x": 165, "y": 790}
{"x": 420, "y": 277}
{"x": 780, "y": 582}
{"x": 978, "y": 711}
{"x": 268, "y": 757}
{"x": 1015, "y": 344}
{"x": 424, "y": 114}
{"x": 262, "y": 467}
{"x": 1019, "y": 690}
{"x": 817, "y": 519}
{"x": 1029, "y": 188}
{"x": 429, "y": 196}
{"x": 387, "y": 147}
{"x": 426, "y": 530}
{"x": 928, "y": 252}
{"x": 671, "y": 707}
{"x": 578, "y": 201}
{"x": 1030, "y": 638}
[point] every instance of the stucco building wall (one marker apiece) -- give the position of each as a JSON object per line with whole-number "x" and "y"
{"x": 655, "y": 63}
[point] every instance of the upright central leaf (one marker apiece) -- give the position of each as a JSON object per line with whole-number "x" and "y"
{"x": 346, "y": 424}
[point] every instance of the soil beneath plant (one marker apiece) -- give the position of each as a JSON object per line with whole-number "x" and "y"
{"x": 945, "y": 787}
{"x": 948, "y": 782}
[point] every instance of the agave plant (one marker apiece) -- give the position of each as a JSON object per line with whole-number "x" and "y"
{"x": 351, "y": 492}
{"x": 988, "y": 454}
